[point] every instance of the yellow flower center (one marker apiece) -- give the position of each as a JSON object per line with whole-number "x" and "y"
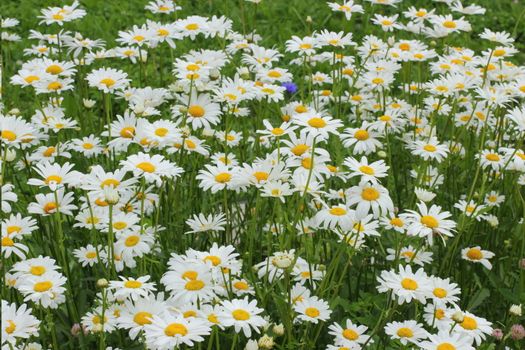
{"x": 49, "y": 207}
{"x": 429, "y": 221}
{"x": 132, "y": 241}
{"x": 190, "y": 275}
{"x": 337, "y": 211}
{"x": 378, "y": 81}
{"x": 120, "y": 225}
{"x": 31, "y": 78}
{"x": 55, "y": 85}
{"x": 361, "y": 135}
{"x": 440, "y": 292}
{"x": 54, "y": 69}
{"x": 493, "y": 157}
{"x": 13, "y": 229}
{"x": 162, "y": 32}
{"x": 370, "y": 194}
{"x": 8, "y": 135}
{"x": 11, "y": 327}
{"x": 132, "y": 284}
{"x": 139, "y": 38}
{"x": 312, "y": 312}
{"x": 41, "y": 287}
{"x": 405, "y": 332}
{"x": 408, "y": 283}
{"x": 196, "y": 111}
{"x": 241, "y": 315}
{"x": 469, "y": 323}
{"x": 174, "y": 329}
{"x": 445, "y": 346}
{"x": 367, "y": 170}
{"x": 474, "y": 254}
{"x": 146, "y": 167}
{"x": 194, "y": 285}
{"x": 277, "y": 131}
{"x": 192, "y": 26}
{"x": 223, "y": 177}
{"x": 306, "y": 163}
{"x": 449, "y": 24}
{"x": 91, "y": 255}
{"x": 396, "y": 222}
{"x": 37, "y": 270}
{"x": 110, "y": 182}
{"x": 108, "y": 82}
{"x": 54, "y": 178}
{"x": 429, "y": 148}
{"x": 350, "y": 334}
{"x": 261, "y": 176}
{"x": 215, "y": 260}
{"x": 241, "y": 285}
{"x": 161, "y": 132}
{"x": 298, "y": 150}
{"x": 142, "y": 318}
{"x": 7, "y": 242}
{"x": 317, "y": 123}
{"x": 128, "y": 132}
{"x": 274, "y": 74}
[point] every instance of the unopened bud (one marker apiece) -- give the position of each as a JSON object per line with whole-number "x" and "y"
{"x": 251, "y": 345}
{"x": 111, "y": 195}
{"x": 458, "y": 317}
{"x": 278, "y": 329}
{"x": 10, "y": 155}
{"x": 244, "y": 73}
{"x": 381, "y": 154}
{"x": 14, "y": 111}
{"x": 309, "y": 19}
{"x": 515, "y": 310}
{"x": 88, "y": 103}
{"x": 102, "y": 283}
{"x": 266, "y": 342}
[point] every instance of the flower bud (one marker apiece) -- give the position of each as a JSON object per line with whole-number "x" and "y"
{"x": 10, "y": 155}
{"x": 88, "y": 103}
{"x": 251, "y": 345}
{"x": 14, "y": 111}
{"x": 266, "y": 342}
{"x": 381, "y": 154}
{"x": 96, "y": 328}
{"x": 309, "y": 19}
{"x": 515, "y": 310}
{"x": 215, "y": 74}
{"x": 244, "y": 72}
{"x": 517, "y": 332}
{"x": 497, "y": 334}
{"x": 278, "y": 329}
{"x": 458, "y": 317}
{"x": 111, "y": 195}
{"x": 102, "y": 283}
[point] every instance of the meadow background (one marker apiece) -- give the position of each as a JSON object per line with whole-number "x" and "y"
{"x": 277, "y": 21}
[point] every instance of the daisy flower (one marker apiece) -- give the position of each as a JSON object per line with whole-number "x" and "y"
{"x": 347, "y": 7}
{"x": 151, "y": 168}
{"x": 352, "y": 335}
{"x": 108, "y": 80}
{"x": 317, "y": 124}
{"x": 202, "y": 223}
{"x": 410, "y": 255}
{"x": 477, "y": 255}
{"x": 445, "y": 340}
{"x": 46, "y": 289}
{"x": 54, "y": 175}
{"x": 219, "y": 177}
{"x": 364, "y": 140}
{"x": 406, "y": 331}
{"x": 17, "y": 323}
{"x": 405, "y": 284}
{"x": 312, "y": 309}
{"x": 429, "y": 221}
{"x": 368, "y": 172}
{"x": 370, "y": 197}
{"x": 132, "y": 288}
{"x": 50, "y": 203}
{"x": 474, "y": 327}
{"x": 431, "y": 149}
{"x": 242, "y": 314}
{"x": 169, "y": 331}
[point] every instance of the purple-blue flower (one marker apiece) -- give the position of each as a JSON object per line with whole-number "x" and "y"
{"x": 290, "y": 87}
